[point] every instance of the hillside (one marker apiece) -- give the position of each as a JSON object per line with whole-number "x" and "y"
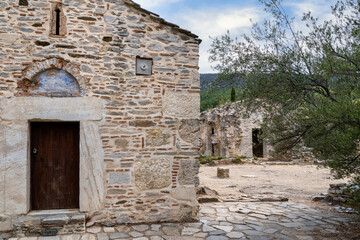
{"x": 213, "y": 97}
{"x": 206, "y": 79}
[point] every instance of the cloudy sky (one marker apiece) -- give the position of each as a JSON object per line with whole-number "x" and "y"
{"x": 212, "y": 18}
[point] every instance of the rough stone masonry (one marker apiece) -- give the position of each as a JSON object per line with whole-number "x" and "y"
{"x": 226, "y": 132}
{"x": 75, "y": 61}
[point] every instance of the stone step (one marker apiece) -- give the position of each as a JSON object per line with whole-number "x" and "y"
{"x": 49, "y": 224}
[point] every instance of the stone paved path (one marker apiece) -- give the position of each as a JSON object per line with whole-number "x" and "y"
{"x": 221, "y": 221}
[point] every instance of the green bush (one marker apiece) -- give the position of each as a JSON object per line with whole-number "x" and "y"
{"x": 238, "y": 159}
{"x": 209, "y": 160}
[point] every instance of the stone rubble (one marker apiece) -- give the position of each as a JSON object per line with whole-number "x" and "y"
{"x": 338, "y": 194}
{"x": 223, "y": 173}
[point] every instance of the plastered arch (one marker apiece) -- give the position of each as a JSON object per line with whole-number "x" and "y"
{"x": 29, "y": 82}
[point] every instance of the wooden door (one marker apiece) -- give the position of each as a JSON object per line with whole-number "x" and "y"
{"x": 54, "y": 165}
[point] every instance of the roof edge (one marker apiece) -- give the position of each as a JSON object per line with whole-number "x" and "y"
{"x": 163, "y": 21}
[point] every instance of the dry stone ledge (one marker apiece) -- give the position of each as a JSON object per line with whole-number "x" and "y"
{"x": 223, "y": 173}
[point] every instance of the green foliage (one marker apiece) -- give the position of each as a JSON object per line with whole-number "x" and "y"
{"x": 233, "y": 95}
{"x": 307, "y": 81}
{"x": 214, "y": 92}
{"x": 212, "y": 98}
{"x": 238, "y": 159}
{"x": 209, "y": 160}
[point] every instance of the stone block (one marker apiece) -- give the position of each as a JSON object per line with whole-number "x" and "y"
{"x": 189, "y": 130}
{"x": 119, "y": 235}
{"x": 119, "y": 178}
{"x": 142, "y": 123}
{"x": 57, "y": 220}
{"x": 5, "y": 224}
{"x": 2, "y": 166}
{"x": 92, "y": 183}
{"x": 182, "y": 105}
{"x": 188, "y": 213}
{"x": 165, "y": 37}
{"x": 157, "y": 137}
{"x": 63, "y": 109}
{"x": 123, "y": 144}
{"x": 189, "y": 170}
{"x": 116, "y": 191}
{"x": 184, "y": 194}
{"x": 9, "y": 38}
{"x": 152, "y": 173}
{"x": 102, "y": 236}
{"x": 13, "y": 167}
{"x": 223, "y": 173}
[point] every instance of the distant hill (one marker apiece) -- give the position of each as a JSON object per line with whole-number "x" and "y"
{"x": 206, "y": 79}
{"x": 213, "y": 97}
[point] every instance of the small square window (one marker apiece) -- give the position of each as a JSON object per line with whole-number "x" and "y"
{"x": 144, "y": 66}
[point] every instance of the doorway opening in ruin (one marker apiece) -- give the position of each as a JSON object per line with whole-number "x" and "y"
{"x": 212, "y": 149}
{"x": 55, "y": 159}
{"x": 258, "y": 144}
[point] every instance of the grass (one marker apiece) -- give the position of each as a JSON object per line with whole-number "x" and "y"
{"x": 211, "y": 160}
{"x": 238, "y": 159}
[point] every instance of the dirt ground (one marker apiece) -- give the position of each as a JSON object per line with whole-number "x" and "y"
{"x": 296, "y": 182}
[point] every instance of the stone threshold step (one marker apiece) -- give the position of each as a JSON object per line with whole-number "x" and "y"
{"x": 49, "y": 223}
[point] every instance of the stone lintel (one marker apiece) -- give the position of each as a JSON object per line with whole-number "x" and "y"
{"x": 44, "y": 108}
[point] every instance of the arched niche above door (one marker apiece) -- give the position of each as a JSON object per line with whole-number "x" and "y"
{"x": 54, "y": 78}
{"x": 56, "y": 83}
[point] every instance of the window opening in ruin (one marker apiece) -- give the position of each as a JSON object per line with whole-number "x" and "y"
{"x": 57, "y": 21}
{"x": 212, "y": 131}
{"x": 258, "y": 144}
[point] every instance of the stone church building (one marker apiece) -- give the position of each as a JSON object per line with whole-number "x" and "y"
{"x": 99, "y": 116}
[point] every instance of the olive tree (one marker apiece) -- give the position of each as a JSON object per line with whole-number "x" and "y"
{"x": 307, "y": 81}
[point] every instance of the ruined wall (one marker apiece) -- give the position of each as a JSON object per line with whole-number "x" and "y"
{"x": 148, "y": 129}
{"x": 229, "y": 132}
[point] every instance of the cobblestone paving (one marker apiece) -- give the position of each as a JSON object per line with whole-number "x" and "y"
{"x": 221, "y": 221}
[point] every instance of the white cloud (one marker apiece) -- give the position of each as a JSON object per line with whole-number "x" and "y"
{"x": 318, "y": 8}
{"x": 215, "y": 22}
{"x": 154, "y": 3}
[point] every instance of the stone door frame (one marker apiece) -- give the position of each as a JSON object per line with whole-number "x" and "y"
{"x": 15, "y": 116}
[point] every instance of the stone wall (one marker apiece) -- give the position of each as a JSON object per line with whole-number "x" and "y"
{"x": 227, "y": 132}
{"x": 140, "y": 152}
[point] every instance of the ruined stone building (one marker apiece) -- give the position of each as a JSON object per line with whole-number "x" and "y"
{"x": 225, "y": 132}
{"x": 99, "y": 108}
